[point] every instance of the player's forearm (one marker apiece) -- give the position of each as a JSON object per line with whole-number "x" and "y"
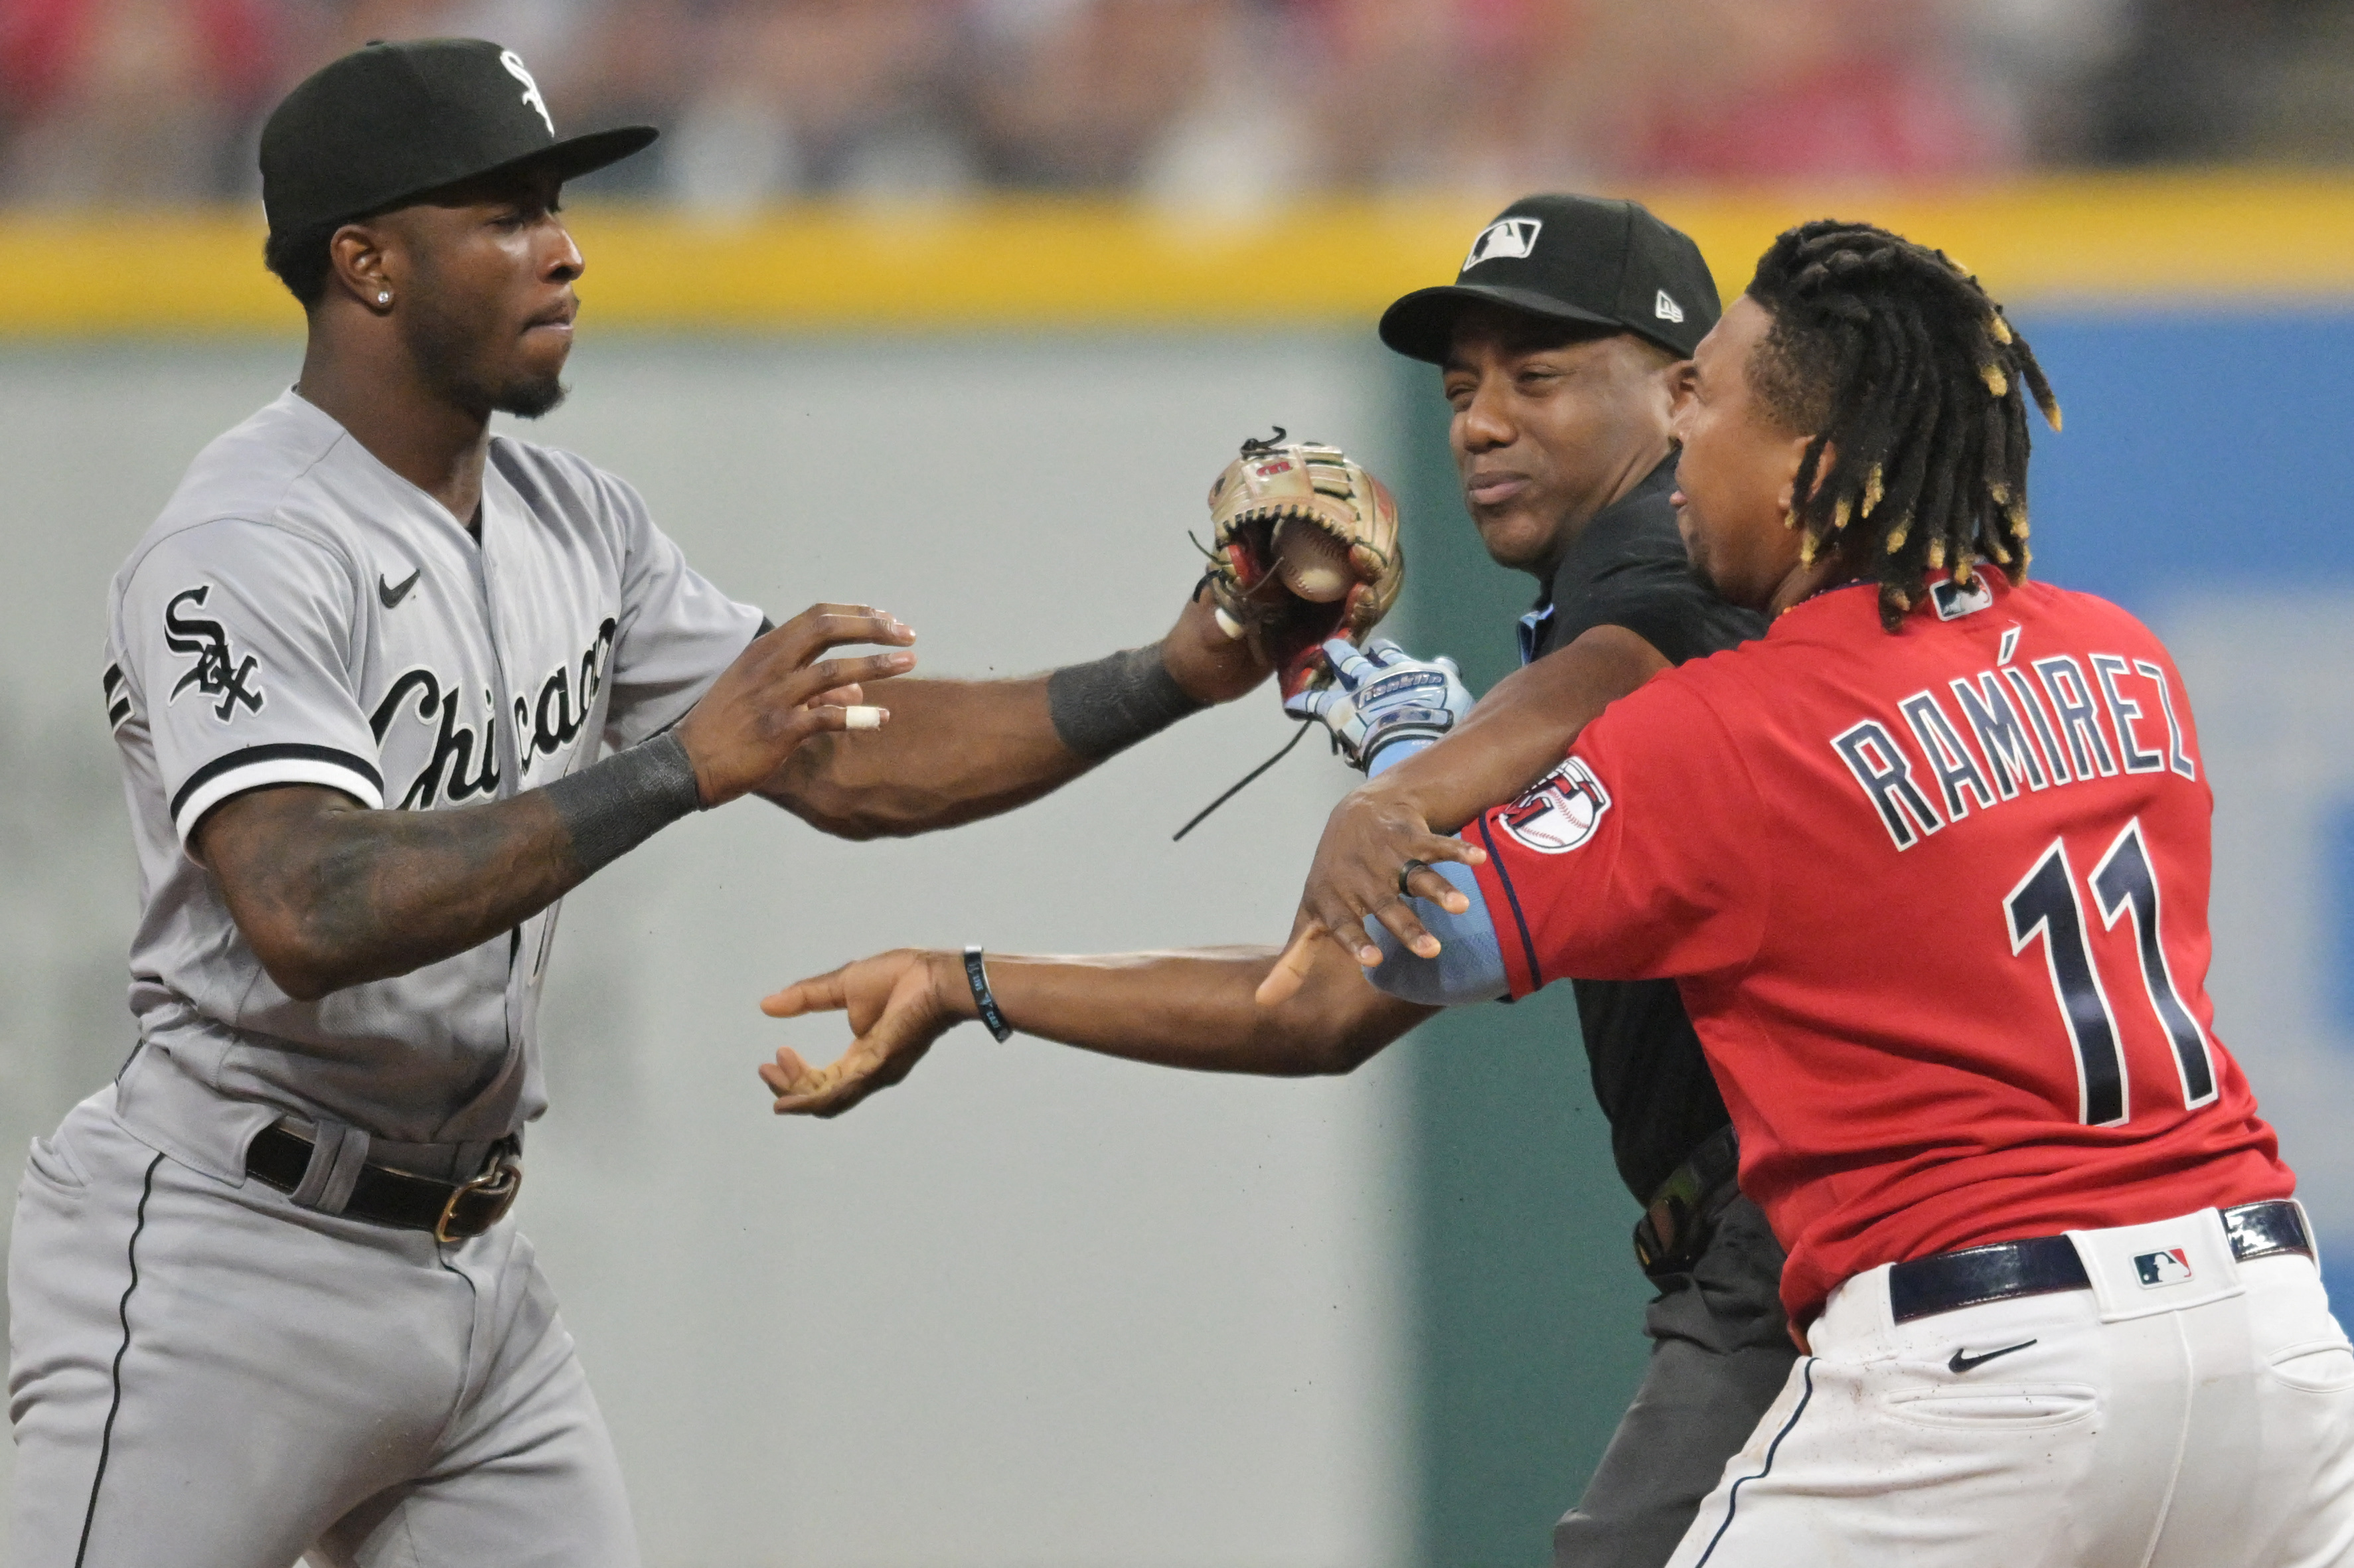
{"x": 1190, "y": 1009}
{"x": 329, "y": 894}
{"x": 954, "y": 752}
{"x": 1522, "y": 727}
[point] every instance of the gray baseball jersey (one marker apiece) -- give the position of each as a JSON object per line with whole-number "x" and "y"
{"x": 301, "y": 614}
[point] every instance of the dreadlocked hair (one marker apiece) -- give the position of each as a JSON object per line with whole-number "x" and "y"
{"x": 1915, "y": 388}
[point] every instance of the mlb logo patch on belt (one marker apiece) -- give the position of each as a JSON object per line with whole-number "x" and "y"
{"x": 2168, "y": 1267}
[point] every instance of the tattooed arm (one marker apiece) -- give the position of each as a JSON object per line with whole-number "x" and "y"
{"x": 330, "y": 894}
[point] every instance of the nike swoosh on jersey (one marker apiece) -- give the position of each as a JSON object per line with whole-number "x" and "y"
{"x": 392, "y": 595}
{"x": 1962, "y": 1363}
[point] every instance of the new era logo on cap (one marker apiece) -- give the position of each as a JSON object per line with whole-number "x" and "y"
{"x": 2167, "y": 1267}
{"x": 1666, "y": 308}
{"x": 1510, "y": 237}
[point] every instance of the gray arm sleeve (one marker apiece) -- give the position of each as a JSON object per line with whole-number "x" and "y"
{"x": 1470, "y": 967}
{"x": 612, "y": 807}
{"x": 1107, "y": 706}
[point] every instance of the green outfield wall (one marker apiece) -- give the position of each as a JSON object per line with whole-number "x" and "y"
{"x": 1526, "y": 1304}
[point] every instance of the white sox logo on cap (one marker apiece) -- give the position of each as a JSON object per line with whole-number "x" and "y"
{"x": 1561, "y": 812}
{"x": 1507, "y": 237}
{"x": 516, "y": 68}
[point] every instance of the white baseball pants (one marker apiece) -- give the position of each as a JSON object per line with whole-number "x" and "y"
{"x": 2204, "y": 1420}
{"x": 206, "y": 1376}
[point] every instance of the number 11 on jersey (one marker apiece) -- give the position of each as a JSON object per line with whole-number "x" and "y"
{"x": 2045, "y": 905}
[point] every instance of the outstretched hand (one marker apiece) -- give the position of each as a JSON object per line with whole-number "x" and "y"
{"x": 1370, "y": 834}
{"x": 778, "y": 694}
{"x": 898, "y": 1006}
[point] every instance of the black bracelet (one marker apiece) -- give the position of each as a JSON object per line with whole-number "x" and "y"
{"x": 1111, "y": 705}
{"x": 977, "y": 975}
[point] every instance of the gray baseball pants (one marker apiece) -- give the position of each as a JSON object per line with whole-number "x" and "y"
{"x": 1720, "y": 1351}
{"x": 205, "y": 1375}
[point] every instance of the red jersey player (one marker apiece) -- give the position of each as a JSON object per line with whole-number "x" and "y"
{"x": 1929, "y": 864}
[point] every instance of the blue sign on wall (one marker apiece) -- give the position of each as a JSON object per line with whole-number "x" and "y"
{"x": 2205, "y": 481}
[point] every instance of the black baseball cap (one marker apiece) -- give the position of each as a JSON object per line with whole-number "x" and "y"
{"x": 1609, "y": 264}
{"x": 392, "y": 122}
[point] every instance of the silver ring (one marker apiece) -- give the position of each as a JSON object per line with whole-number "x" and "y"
{"x": 1408, "y": 869}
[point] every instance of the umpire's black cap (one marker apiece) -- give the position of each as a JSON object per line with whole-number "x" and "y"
{"x": 1609, "y": 264}
{"x": 392, "y": 122}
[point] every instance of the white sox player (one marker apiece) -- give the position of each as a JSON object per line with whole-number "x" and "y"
{"x": 385, "y": 688}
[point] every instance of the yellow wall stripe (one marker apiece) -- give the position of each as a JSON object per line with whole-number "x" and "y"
{"x": 1033, "y": 263}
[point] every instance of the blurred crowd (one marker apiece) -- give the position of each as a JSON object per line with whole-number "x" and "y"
{"x": 1219, "y": 102}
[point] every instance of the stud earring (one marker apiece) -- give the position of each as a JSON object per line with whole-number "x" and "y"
{"x": 384, "y": 296}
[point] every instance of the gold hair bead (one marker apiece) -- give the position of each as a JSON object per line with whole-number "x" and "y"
{"x": 1840, "y": 513}
{"x": 1873, "y": 492}
{"x": 1807, "y": 547}
{"x": 1896, "y": 538}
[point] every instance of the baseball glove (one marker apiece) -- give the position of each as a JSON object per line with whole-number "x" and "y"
{"x": 1304, "y": 548}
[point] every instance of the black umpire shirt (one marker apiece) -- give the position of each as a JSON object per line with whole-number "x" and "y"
{"x": 1629, "y": 568}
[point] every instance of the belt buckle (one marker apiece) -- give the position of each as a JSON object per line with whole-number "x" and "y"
{"x": 1664, "y": 1238}
{"x": 501, "y": 1182}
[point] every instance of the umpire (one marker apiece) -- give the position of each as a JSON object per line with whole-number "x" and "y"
{"x": 1573, "y": 489}
{"x": 1563, "y": 345}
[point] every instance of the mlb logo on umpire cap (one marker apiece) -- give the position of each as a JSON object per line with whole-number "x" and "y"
{"x": 1506, "y": 238}
{"x": 2170, "y": 1267}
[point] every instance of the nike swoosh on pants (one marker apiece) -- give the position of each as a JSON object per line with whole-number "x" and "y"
{"x": 1962, "y": 1362}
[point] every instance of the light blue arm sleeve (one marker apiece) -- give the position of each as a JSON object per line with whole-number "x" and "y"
{"x": 1470, "y": 967}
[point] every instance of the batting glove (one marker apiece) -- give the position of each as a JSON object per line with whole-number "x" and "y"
{"x": 1383, "y": 704}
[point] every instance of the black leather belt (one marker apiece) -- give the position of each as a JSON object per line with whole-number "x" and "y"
{"x": 2040, "y": 1266}
{"x": 1674, "y": 1229}
{"x": 452, "y": 1211}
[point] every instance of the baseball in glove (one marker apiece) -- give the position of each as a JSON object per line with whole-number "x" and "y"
{"x": 1304, "y": 548}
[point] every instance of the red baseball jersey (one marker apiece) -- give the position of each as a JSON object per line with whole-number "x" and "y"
{"x": 1937, "y": 904}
